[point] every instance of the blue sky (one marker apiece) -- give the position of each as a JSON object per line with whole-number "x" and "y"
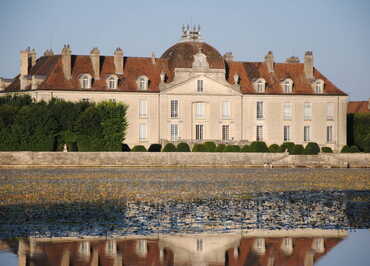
{"x": 337, "y": 31}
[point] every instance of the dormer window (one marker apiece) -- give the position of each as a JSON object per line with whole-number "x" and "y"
{"x": 287, "y": 86}
{"x": 319, "y": 86}
{"x": 112, "y": 82}
{"x": 142, "y": 83}
{"x": 199, "y": 85}
{"x": 260, "y": 85}
{"x": 85, "y": 81}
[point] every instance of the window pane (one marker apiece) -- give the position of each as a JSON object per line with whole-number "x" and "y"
{"x": 142, "y": 131}
{"x": 329, "y": 134}
{"x": 287, "y": 111}
{"x": 225, "y": 132}
{"x": 174, "y": 132}
{"x": 286, "y": 133}
{"x": 259, "y": 133}
{"x": 330, "y": 111}
{"x": 174, "y": 108}
{"x": 306, "y": 136}
{"x": 259, "y": 110}
{"x": 200, "y": 85}
{"x": 307, "y": 111}
{"x": 226, "y": 112}
{"x": 143, "y": 108}
{"x": 200, "y": 110}
{"x": 199, "y": 132}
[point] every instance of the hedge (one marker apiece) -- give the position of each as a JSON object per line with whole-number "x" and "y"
{"x": 246, "y": 148}
{"x": 199, "y": 148}
{"x": 274, "y": 148}
{"x": 345, "y": 149}
{"x": 155, "y": 147}
{"x": 169, "y": 147}
{"x": 183, "y": 147}
{"x": 326, "y": 150}
{"x": 354, "y": 149}
{"x": 232, "y": 148}
{"x": 297, "y": 150}
{"x": 138, "y": 148}
{"x": 210, "y": 146}
{"x": 220, "y": 147}
{"x": 312, "y": 148}
{"x": 287, "y": 146}
{"x": 358, "y": 131}
{"x": 125, "y": 147}
{"x": 259, "y": 146}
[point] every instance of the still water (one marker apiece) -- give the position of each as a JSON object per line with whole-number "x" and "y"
{"x": 244, "y": 223}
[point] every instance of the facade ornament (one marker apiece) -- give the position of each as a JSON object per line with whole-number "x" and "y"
{"x": 200, "y": 61}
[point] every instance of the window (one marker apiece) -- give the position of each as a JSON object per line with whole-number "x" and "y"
{"x": 260, "y": 243}
{"x": 199, "y": 85}
{"x": 319, "y": 86}
{"x": 199, "y": 110}
{"x": 174, "y": 108}
{"x": 225, "y": 132}
{"x": 260, "y": 86}
{"x": 307, "y": 111}
{"x": 112, "y": 82}
{"x": 199, "y": 245}
{"x": 142, "y": 131}
{"x": 306, "y": 133}
{"x": 85, "y": 81}
{"x": 142, "y": 83}
{"x": 84, "y": 248}
{"x": 330, "y": 111}
{"x": 287, "y": 86}
{"x": 143, "y": 108}
{"x": 287, "y": 111}
{"x": 110, "y": 247}
{"x": 142, "y": 248}
{"x": 286, "y": 133}
{"x": 329, "y": 134}
{"x": 259, "y": 110}
{"x": 174, "y": 132}
{"x": 226, "y": 110}
{"x": 259, "y": 133}
{"x": 199, "y": 132}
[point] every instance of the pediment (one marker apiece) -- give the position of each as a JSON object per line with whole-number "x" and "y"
{"x": 210, "y": 87}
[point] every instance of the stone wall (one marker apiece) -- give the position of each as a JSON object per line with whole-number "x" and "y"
{"x": 179, "y": 159}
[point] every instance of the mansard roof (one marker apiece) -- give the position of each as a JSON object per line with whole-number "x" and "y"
{"x": 178, "y": 56}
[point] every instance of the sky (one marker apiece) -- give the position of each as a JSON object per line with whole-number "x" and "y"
{"x": 337, "y": 31}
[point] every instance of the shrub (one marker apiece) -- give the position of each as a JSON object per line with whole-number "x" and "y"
{"x": 259, "y": 146}
{"x": 199, "y": 148}
{"x": 138, "y": 148}
{"x": 345, "y": 149}
{"x": 358, "y": 131}
{"x": 354, "y": 149}
{"x": 183, "y": 147}
{"x": 169, "y": 148}
{"x": 210, "y": 146}
{"x": 297, "y": 150}
{"x": 232, "y": 148}
{"x": 155, "y": 147}
{"x": 220, "y": 147}
{"x": 246, "y": 148}
{"x": 326, "y": 150}
{"x": 274, "y": 148}
{"x": 287, "y": 146}
{"x": 312, "y": 148}
{"x": 125, "y": 147}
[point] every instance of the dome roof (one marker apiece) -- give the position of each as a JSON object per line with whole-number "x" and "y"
{"x": 181, "y": 55}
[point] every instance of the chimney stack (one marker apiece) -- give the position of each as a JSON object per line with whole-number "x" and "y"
{"x": 308, "y": 65}
{"x": 32, "y": 55}
{"x": 25, "y": 63}
{"x": 153, "y": 58}
{"x": 95, "y": 61}
{"x": 229, "y": 56}
{"x": 118, "y": 61}
{"x": 269, "y": 60}
{"x": 66, "y": 61}
{"x": 48, "y": 52}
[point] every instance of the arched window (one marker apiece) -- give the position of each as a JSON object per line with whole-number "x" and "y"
{"x": 142, "y": 83}
{"x": 112, "y": 82}
{"x": 319, "y": 86}
{"x": 287, "y": 86}
{"x": 260, "y": 85}
{"x": 85, "y": 81}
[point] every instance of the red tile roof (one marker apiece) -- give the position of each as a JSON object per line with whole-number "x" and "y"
{"x": 358, "y": 107}
{"x": 179, "y": 55}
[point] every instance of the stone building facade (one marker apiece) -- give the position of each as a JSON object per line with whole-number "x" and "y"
{"x": 192, "y": 93}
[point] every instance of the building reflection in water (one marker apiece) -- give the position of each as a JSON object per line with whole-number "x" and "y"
{"x": 257, "y": 247}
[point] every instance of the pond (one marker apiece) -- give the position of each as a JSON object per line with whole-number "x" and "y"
{"x": 184, "y": 216}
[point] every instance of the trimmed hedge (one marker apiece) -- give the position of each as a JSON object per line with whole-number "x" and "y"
{"x": 199, "y": 148}
{"x": 232, "y": 148}
{"x": 287, "y": 146}
{"x": 210, "y": 146}
{"x": 326, "y": 150}
{"x": 297, "y": 150}
{"x": 246, "y": 148}
{"x": 169, "y": 147}
{"x": 125, "y": 147}
{"x": 259, "y": 146}
{"x": 345, "y": 149}
{"x": 354, "y": 149}
{"x": 155, "y": 147}
{"x": 220, "y": 147}
{"x": 312, "y": 148}
{"x": 274, "y": 148}
{"x": 183, "y": 147}
{"x": 138, "y": 148}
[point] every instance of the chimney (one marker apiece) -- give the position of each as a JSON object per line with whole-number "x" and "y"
{"x": 229, "y": 56}
{"x": 118, "y": 61}
{"x": 308, "y": 65}
{"x": 32, "y": 55}
{"x": 66, "y": 61}
{"x": 292, "y": 60}
{"x": 48, "y": 52}
{"x": 25, "y": 63}
{"x": 269, "y": 60}
{"x": 153, "y": 58}
{"x": 95, "y": 61}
